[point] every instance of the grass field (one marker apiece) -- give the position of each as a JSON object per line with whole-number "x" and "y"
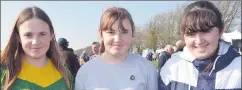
{"x": 155, "y": 63}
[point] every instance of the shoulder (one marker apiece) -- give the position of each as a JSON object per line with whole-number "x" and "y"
{"x": 85, "y": 69}
{"x": 137, "y": 59}
{"x": 2, "y": 67}
{"x": 91, "y": 64}
{"x": 2, "y": 74}
{"x": 236, "y": 63}
{"x": 140, "y": 61}
{"x": 175, "y": 59}
{"x": 2, "y": 70}
{"x": 174, "y": 63}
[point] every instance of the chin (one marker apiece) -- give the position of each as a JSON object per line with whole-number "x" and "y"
{"x": 203, "y": 56}
{"x": 116, "y": 53}
{"x": 36, "y": 56}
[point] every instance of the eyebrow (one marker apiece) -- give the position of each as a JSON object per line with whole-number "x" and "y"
{"x": 27, "y": 32}
{"x": 43, "y": 32}
{"x": 126, "y": 29}
{"x": 118, "y": 30}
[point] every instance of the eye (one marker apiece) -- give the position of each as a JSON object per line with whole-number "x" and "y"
{"x": 125, "y": 31}
{"x": 190, "y": 34}
{"x": 42, "y": 34}
{"x": 110, "y": 31}
{"x": 28, "y": 35}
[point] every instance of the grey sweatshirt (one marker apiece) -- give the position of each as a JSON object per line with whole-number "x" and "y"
{"x": 134, "y": 73}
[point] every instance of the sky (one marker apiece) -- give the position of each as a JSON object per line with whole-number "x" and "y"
{"x": 78, "y": 21}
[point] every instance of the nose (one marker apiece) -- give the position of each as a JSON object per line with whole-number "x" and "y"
{"x": 199, "y": 39}
{"x": 36, "y": 40}
{"x": 118, "y": 36}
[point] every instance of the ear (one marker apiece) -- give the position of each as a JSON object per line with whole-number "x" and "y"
{"x": 221, "y": 33}
{"x": 51, "y": 36}
{"x": 18, "y": 38}
{"x": 100, "y": 34}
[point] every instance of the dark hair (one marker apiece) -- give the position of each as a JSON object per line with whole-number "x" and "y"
{"x": 63, "y": 43}
{"x": 71, "y": 50}
{"x": 95, "y": 43}
{"x": 200, "y": 16}
{"x": 110, "y": 16}
{"x": 12, "y": 54}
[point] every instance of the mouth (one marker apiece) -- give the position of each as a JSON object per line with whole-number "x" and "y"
{"x": 117, "y": 46}
{"x": 36, "y": 48}
{"x": 201, "y": 46}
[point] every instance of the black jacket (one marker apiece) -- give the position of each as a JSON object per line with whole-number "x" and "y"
{"x": 71, "y": 61}
{"x": 164, "y": 56}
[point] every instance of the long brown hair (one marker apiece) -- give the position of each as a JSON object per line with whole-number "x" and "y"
{"x": 12, "y": 54}
{"x": 109, "y": 17}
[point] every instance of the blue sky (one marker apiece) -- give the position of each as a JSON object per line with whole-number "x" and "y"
{"x": 78, "y": 21}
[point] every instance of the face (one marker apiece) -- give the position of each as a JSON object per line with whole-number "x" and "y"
{"x": 203, "y": 45}
{"x": 171, "y": 50}
{"x": 35, "y": 38}
{"x": 95, "y": 48}
{"x": 117, "y": 41}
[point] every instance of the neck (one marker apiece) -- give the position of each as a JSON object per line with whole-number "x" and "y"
{"x": 113, "y": 59}
{"x": 95, "y": 54}
{"x": 38, "y": 62}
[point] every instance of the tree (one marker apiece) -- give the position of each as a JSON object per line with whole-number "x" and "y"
{"x": 231, "y": 11}
{"x": 163, "y": 29}
{"x": 138, "y": 43}
{"x": 153, "y": 35}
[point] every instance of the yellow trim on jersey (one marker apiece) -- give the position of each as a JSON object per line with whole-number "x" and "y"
{"x": 43, "y": 77}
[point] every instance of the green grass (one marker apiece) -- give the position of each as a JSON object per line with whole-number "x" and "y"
{"x": 155, "y": 63}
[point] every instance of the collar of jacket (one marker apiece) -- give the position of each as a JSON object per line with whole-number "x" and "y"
{"x": 225, "y": 56}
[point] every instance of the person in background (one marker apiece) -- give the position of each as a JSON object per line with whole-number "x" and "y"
{"x": 84, "y": 57}
{"x": 164, "y": 56}
{"x": 180, "y": 44}
{"x": 70, "y": 59}
{"x": 149, "y": 56}
{"x": 95, "y": 49}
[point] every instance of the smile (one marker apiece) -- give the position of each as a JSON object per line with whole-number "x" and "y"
{"x": 201, "y": 46}
{"x": 36, "y": 48}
